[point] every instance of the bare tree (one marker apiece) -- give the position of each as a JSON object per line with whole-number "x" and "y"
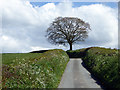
{"x": 67, "y": 30}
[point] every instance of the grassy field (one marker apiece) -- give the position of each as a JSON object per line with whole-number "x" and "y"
{"x": 102, "y": 63}
{"x": 33, "y": 70}
{"x": 9, "y": 58}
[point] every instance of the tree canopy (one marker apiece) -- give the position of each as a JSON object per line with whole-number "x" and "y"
{"x": 67, "y": 30}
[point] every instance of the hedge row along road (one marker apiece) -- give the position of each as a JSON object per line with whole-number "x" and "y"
{"x": 76, "y": 76}
{"x": 33, "y": 70}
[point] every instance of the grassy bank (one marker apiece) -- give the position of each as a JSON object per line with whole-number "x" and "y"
{"x": 34, "y": 70}
{"x": 102, "y": 63}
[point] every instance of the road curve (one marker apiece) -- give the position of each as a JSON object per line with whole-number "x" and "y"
{"x": 76, "y": 76}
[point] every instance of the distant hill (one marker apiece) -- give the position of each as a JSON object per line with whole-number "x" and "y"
{"x": 40, "y": 51}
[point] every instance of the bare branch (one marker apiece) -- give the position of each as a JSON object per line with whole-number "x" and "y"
{"x": 67, "y": 30}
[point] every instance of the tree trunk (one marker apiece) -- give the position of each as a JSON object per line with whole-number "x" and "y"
{"x": 70, "y": 46}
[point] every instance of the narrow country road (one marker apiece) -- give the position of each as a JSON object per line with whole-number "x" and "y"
{"x": 76, "y": 76}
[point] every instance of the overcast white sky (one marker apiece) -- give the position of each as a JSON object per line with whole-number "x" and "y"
{"x": 24, "y": 24}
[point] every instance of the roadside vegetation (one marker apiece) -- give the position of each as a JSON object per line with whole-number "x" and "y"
{"x": 102, "y": 63}
{"x": 79, "y": 53}
{"x": 33, "y": 70}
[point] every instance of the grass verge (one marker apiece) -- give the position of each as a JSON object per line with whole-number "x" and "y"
{"x": 38, "y": 71}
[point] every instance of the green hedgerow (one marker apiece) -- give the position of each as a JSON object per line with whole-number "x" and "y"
{"x": 42, "y": 72}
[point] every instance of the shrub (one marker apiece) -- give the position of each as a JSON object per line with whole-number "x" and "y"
{"x": 103, "y": 63}
{"x": 76, "y": 53}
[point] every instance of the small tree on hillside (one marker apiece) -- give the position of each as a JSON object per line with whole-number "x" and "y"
{"x": 67, "y": 30}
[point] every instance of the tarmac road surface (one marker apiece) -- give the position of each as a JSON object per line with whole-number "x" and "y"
{"x": 76, "y": 76}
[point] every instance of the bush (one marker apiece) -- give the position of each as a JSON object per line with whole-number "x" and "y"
{"x": 103, "y": 63}
{"x": 76, "y": 53}
{"x": 43, "y": 72}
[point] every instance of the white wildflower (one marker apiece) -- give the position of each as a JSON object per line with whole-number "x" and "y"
{"x": 37, "y": 72}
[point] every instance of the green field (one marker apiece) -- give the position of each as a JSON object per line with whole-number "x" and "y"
{"x": 9, "y": 58}
{"x": 102, "y": 63}
{"x": 33, "y": 70}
